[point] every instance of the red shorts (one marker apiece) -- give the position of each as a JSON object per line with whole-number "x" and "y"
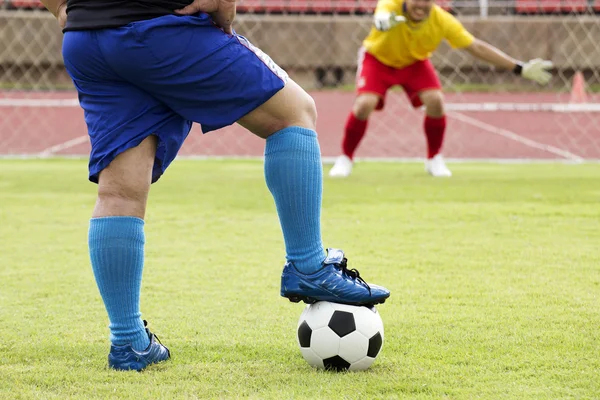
{"x": 376, "y": 77}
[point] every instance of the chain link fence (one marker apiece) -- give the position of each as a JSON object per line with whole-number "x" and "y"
{"x": 493, "y": 114}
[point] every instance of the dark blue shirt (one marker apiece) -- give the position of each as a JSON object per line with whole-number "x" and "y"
{"x": 100, "y": 14}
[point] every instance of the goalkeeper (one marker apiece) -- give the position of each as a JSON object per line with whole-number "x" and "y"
{"x": 396, "y": 52}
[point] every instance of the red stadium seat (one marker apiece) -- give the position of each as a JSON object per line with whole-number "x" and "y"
{"x": 321, "y": 6}
{"x": 597, "y": 6}
{"x": 574, "y": 6}
{"x": 276, "y": 6}
{"x": 445, "y": 4}
{"x": 549, "y": 6}
{"x": 345, "y": 6}
{"x": 367, "y": 6}
{"x": 526, "y": 6}
{"x": 27, "y": 4}
{"x": 250, "y": 6}
{"x": 537, "y": 6}
{"x": 298, "y": 6}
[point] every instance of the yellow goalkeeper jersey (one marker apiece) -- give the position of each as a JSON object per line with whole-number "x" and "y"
{"x": 409, "y": 42}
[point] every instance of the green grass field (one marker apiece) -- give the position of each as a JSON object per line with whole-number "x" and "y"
{"x": 494, "y": 273}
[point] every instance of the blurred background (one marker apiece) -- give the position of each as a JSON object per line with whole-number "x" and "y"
{"x": 492, "y": 114}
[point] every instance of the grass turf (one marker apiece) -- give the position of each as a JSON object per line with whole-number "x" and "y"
{"x": 494, "y": 273}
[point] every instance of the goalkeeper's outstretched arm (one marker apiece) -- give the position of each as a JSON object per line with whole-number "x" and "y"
{"x": 536, "y": 70}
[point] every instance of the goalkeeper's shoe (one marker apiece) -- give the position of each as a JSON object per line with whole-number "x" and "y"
{"x": 125, "y": 358}
{"x": 437, "y": 167}
{"x": 334, "y": 282}
{"x": 342, "y": 167}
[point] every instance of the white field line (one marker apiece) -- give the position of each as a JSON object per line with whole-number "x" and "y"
{"x": 516, "y": 137}
{"x": 63, "y": 146}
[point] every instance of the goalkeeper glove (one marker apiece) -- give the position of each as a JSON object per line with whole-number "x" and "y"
{"x": 536, "y": 70}
{"x": 384, "y": 21}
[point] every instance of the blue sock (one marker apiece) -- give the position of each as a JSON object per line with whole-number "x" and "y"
{"x": 294, "y": 176}
{"x": 117, "y": 255}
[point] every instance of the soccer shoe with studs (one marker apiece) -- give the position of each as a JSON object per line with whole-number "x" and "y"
{"x": 125, "y": 358}
{"x": 334, "y": 282}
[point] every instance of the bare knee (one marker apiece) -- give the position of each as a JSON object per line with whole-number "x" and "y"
{"x": 308, "y": 113}
{"x": 291, "y": 106}
{"x": 364, "y": 105}
{"x": 301, "y": 111}
{"x": 434, "y": 102}
{"x": 121, "y": 199}
{"x": 124, "y": 184}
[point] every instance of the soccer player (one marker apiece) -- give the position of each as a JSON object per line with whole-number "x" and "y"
{"x": 396, "y": 52}
{"x": 144, "y": 71}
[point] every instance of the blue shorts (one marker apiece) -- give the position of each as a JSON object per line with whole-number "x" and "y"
{"x": 156, "y": 77}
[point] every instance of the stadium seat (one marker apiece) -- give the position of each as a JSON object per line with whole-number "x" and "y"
{"x": 345, "y": 6}
{"x": 366, "y": 6}
{"x": 537, "y": 6}
{"x": 298, "y": 6}
{"x": 549, "y": 6}
{"x": 445, "y": 4}
{"x": 526, "y": 6}
{"x": 321, "y": 6}
{"x": 250, "y": 6}
{"x": 275, "y": 6}
{"x": 574, "y": 6}
{"x": 29, "y": 4}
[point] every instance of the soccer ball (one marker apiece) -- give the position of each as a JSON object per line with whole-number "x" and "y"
{"x": 340, "y": 337}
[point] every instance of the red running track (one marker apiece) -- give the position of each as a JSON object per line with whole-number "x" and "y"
{"x": 394, "y": 132}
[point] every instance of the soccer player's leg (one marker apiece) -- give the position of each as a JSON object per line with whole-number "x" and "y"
{"x": 126, "y": 127}
{"x": 423, "y": 87}
{"x": 434, "y": 127}
{"x": 116, "y": 245}
{"x": 354, "y": 132}
{"x": 293, "y": 173}
{"x": 372, "y": 83}
{"x": 216, "y": 80}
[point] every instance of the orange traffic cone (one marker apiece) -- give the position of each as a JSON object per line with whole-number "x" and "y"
{"x": 578, "y": 94}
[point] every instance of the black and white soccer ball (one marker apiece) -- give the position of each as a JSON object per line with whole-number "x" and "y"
{"x": 340, "y": 337}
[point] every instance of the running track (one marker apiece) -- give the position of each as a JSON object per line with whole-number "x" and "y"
{"x": 29, "y": 128}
